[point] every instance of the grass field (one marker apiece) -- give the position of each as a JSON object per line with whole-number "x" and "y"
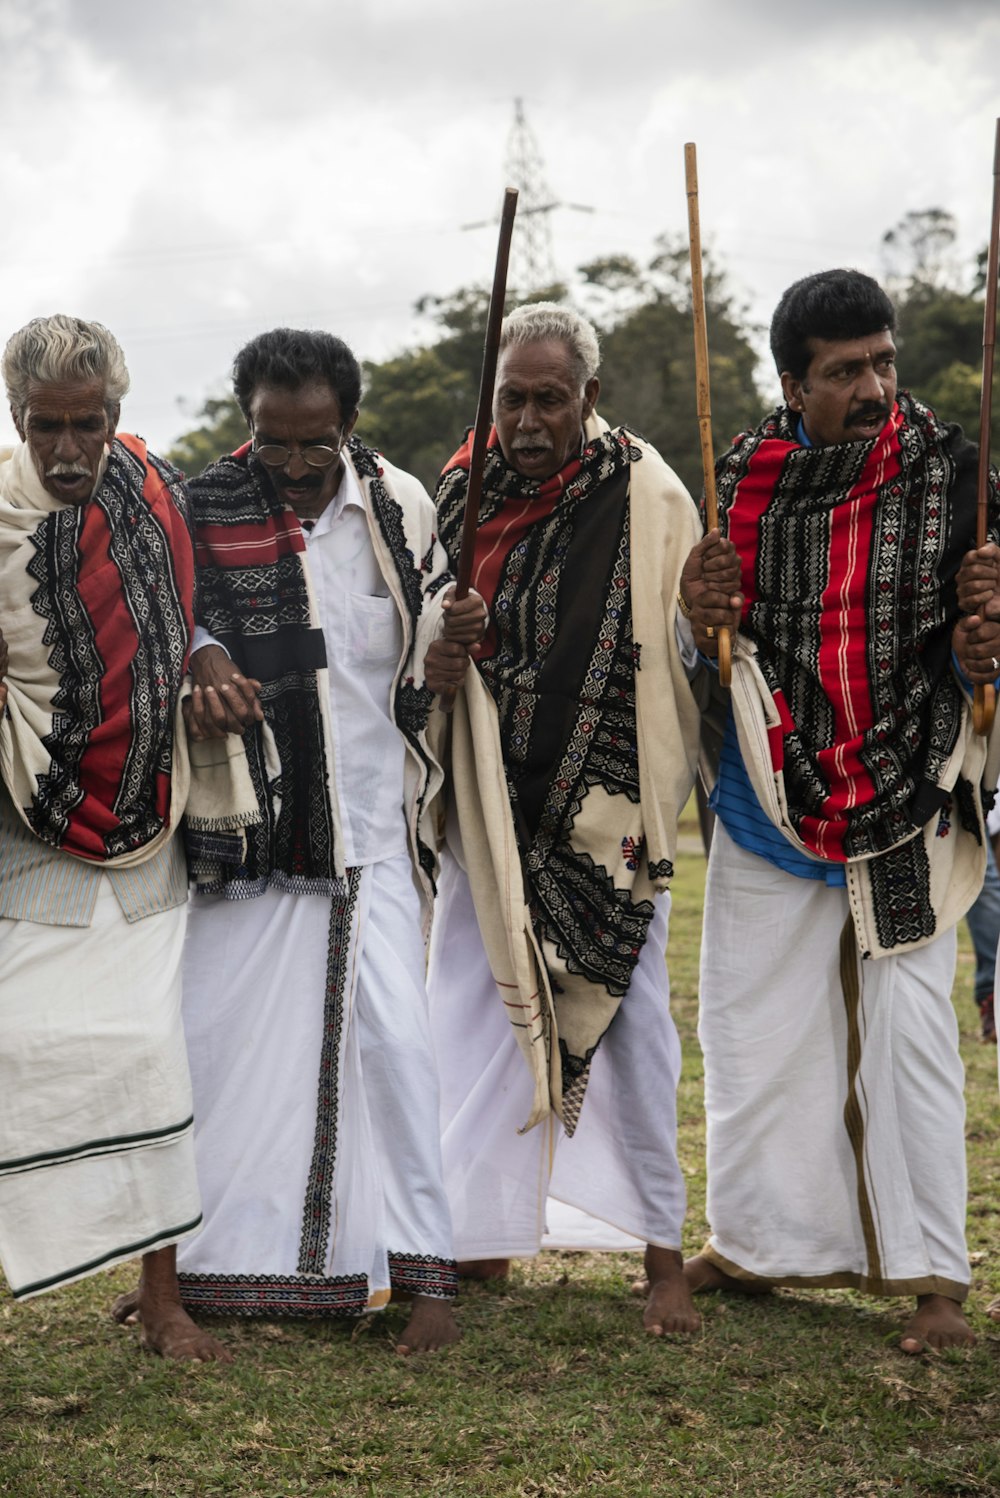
{"x": 554, "y": 1390}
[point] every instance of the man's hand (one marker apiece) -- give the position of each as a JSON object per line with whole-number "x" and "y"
{"x": 4, "y": 662}
{"x": 465, "y": 620}
{"x": 710, "y": 586}
{"x": 445, "y": 665}
{"x": 976, "y": 642}
{"x": 223, "y": 700}
{"x": 978, "y": 579}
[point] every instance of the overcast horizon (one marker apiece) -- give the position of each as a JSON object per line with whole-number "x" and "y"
{"x": 193, "y": 174}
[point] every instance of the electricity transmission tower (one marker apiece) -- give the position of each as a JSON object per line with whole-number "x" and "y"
{"x": 532, "y": 265}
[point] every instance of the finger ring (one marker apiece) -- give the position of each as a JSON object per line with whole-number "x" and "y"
{"x": 710, "y": 631}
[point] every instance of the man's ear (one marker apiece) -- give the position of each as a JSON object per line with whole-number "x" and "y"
{"x": 350, "y": 424}
{"x": 591, "y": 391}
{"x": 792, "y": 390}
{"x": 15, "y": 417}
{"x": 113, "y": 414}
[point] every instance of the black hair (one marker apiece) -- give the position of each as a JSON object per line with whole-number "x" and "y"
{"x": 833, "y": 304}
{"x": 288, "y": 358}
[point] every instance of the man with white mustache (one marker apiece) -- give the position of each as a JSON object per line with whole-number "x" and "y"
{"x": 573, "y": 749}
{"x": 96, "y": 603}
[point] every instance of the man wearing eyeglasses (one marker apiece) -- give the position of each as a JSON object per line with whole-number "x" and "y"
{"x": 323, "y": 600}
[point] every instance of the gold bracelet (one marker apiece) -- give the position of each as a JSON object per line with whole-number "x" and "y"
{"x": 683, "y": 604}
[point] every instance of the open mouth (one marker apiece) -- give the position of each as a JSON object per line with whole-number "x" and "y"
{"x": 68, "y": 483}
{"x": 529, "y": 456}
{"x": 869, "y": 422}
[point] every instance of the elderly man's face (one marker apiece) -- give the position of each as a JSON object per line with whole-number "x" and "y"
{"x": 301, "y": 424}
{"x": 67, "y": 426}
{"x": 539, "y": 407}
{"x": 849, "y": 388}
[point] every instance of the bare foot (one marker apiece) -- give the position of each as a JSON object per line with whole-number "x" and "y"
{"x": 166, "y": 1326}
{"x": 169, "y": 1330}
{"x": 669, "y": 1309}
{"x": 126, "y": 1308}
{"x": 993, "y": 1310}
{"x": 938, "y": 1322}
{"x": 431, "y": 1325}
{"x": 702, "y": 1275}
{"x": 483, "y": 1269}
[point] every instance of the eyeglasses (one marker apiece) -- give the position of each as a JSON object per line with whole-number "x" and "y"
{"x": 273, "y": 456}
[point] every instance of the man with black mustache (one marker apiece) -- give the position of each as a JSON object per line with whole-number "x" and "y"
{"x": 323, "y": 598}
{"x": 850, "y": 835}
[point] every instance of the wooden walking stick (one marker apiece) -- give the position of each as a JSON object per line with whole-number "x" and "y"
{"x": 484, "y": 412}
{"x": 984, "y": 699}
{"x": 701, "y": 378}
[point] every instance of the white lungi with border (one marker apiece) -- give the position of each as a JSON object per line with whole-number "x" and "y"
{"x": 316, "y": 1102}
{"x": 619, "y": 1168}
{"x": 96, "y": 1151}
{"x": 791, "y": 1199}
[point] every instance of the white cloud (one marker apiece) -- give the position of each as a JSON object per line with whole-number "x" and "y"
{"x": 191, "y": 173}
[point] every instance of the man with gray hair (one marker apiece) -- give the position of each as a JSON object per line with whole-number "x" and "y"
{"x": 96, "y": 607}
{"x": 549, "y": 992}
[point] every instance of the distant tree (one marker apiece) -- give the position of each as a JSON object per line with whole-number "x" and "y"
{"x": 918, "y": 249}
{"x": 940, "y": 332}
{"x": 221, "y": 430}
{"x": 647, "y": 367}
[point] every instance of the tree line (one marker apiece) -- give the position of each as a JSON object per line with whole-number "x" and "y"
{"x": 418, "y": 404}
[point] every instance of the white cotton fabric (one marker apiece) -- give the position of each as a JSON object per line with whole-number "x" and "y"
{"x": 94, "y": 1094}
{"x": 617, "y": 1177}
{"x": 363, "y": 631}
{"x": 783, "y": 1198}
{"x": 255, "y": 978}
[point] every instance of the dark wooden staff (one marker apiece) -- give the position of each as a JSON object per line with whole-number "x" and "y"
{"x": 984, "y": 700}
{"x": 702, "y": 380}
{"x": 484, "y": 412}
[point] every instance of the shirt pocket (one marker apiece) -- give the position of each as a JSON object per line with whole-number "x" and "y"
{"x": 374, "y": 631}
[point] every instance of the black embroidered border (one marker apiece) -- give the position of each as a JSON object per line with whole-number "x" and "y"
{"x": 274, "y": 1295}
{"x": 901, "y": 891}
{"x": 318, "y": 1199}
{"x": 423, "y": 1274}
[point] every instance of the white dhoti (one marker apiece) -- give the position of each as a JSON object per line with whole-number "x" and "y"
{"x": 96, "y": 1152}
{"x": 316, "y": 1102}
{"x": 836, "y": 1148}
{"x": 616, "y": 1183}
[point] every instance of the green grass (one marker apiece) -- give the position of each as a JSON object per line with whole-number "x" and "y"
{"x": 554, "y": 1390}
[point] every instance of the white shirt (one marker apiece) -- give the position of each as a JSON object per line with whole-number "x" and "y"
{"x": 364, "y": 642}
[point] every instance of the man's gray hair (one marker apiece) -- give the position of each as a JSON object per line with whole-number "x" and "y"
{"x": 538, "y": 321}
{"x": 49, "y": 350}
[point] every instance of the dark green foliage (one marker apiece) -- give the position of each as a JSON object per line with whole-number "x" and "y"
{"x": 221, "y": 430}
{"x": 940, "y": 332}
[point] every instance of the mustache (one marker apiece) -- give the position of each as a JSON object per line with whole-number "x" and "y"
{"x": 521, "y": 442}
{"x": 869, "y": 408}
{"x": 307, "y": 481}
{"x": 67, "y": 470}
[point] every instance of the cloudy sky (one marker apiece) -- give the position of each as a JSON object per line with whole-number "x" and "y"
{"x": 193, "y": 171}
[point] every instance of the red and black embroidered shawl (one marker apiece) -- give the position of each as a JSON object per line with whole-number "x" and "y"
{"x": 850, "y": 554}
{"x": 115, "y": 588}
